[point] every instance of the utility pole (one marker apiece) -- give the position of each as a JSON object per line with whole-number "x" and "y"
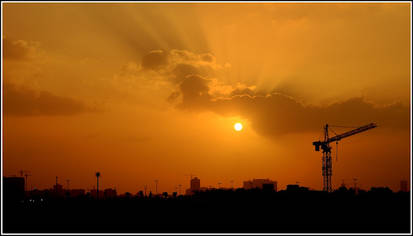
{"x": 67, "y": 181}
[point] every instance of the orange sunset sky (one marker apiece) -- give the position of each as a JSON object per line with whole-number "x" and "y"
{"x": 145, "y": 91}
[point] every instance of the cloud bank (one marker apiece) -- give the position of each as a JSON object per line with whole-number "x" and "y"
{"x": 23, "y": 101}
{"x": 200, "y": 87}
{"x": 19, "y": 49}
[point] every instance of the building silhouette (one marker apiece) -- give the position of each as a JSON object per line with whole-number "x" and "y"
{"x": 94, "y": 194}
{"x": 296, "y": 188}
{"x": 260, "y": 184}
{"x": 109, "y": 193}
{"x": 404, "y": 186}
{"x": 195, "y": 186}
{"x": 13, "y": 188}
{"x": 77, "y": 192}
{"x": 58, "y": 190}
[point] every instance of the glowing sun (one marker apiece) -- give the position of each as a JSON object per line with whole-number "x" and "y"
{"x": 238, "y": 126}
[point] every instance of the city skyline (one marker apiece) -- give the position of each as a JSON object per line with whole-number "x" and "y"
{"x": 193, "y": 187}
{"x": 227, "y": 92}
{"x": 403, "y": 185}
{"x": 206, "y": 209}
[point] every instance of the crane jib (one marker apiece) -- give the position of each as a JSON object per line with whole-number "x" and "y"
{"x": 324, "y": 144}
{"x": 352, "y": 132}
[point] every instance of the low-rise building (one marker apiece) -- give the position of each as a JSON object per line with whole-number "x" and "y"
{"x": 109, "y": 193}
{"x": 260, "y": 183}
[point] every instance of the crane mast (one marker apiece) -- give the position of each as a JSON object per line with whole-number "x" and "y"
{"x": 325, "y": 146}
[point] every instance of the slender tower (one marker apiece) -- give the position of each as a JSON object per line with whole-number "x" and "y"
{"x": 97, "y": 185}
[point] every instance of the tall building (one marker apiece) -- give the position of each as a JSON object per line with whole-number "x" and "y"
{"x": 195, "y": 184}
{"x": 404, "y": 186}
{"x": 259, "y": 183}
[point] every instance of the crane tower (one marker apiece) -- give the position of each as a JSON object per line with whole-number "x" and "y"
{"x": 325, "y": 146}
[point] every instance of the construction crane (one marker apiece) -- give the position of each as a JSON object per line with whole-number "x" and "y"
{"x": 325, "y": 146}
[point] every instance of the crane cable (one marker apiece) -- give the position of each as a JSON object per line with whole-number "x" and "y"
{"x": 342, "y": 126}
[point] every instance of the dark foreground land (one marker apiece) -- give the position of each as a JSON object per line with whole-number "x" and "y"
{"x": 216, "y": 211}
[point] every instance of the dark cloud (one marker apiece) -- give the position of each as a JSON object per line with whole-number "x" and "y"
{"x": 244, "y": 91}
{"x": 357, "y": 109}
{"x": 16, "y": 50}
{"x": 277, "y": 114}
{"x": 176, "y": 65}
{"x": 174, "y": 95}
{"x": 22, "y": 101}
{"x": 208, "y": 57}
{"x": 155, "y": 60}
{"x": 270, "y": 114}
{"x": 182, "y": 70}
{"x": 194, "y": 91}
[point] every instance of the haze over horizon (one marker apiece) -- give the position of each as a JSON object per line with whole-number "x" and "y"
{"x": 145, "y": 91}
